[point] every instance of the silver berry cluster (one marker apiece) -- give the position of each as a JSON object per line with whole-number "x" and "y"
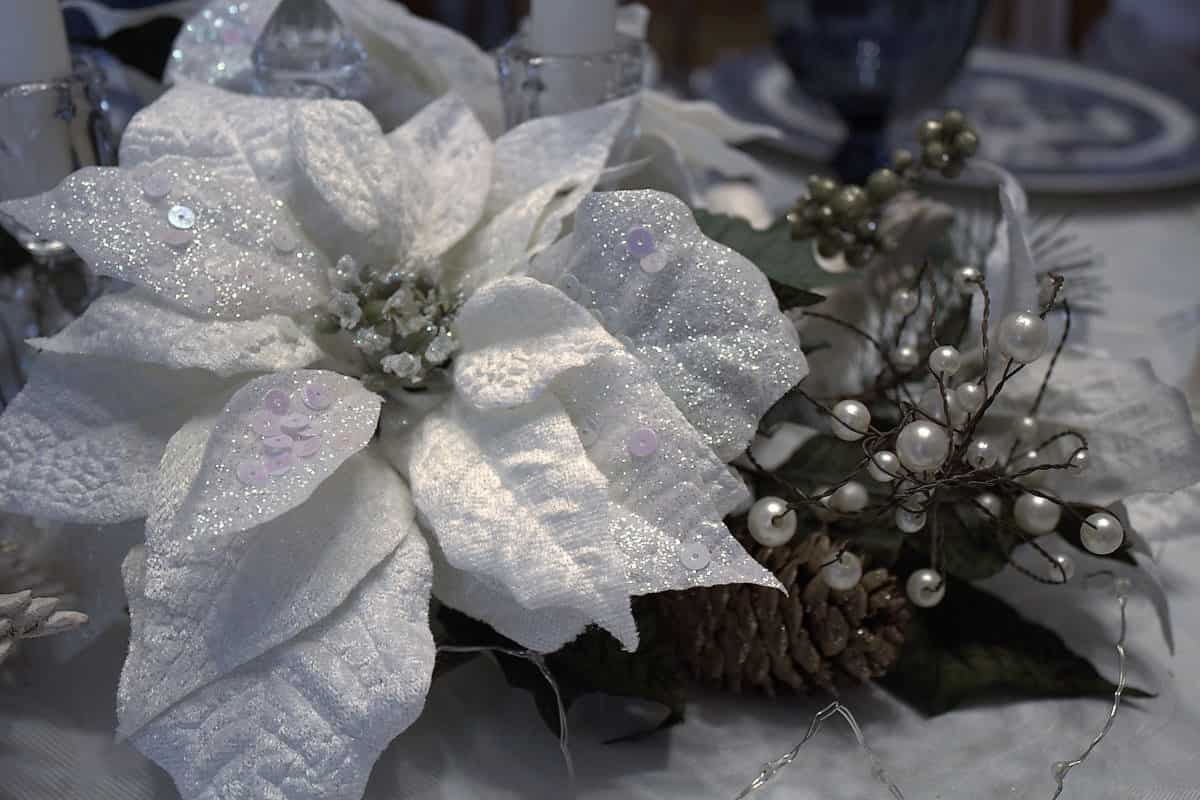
{"x": 399, "y": 321}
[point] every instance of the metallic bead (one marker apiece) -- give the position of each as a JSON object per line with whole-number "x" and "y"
{"x": 945, "y": 361}
{"x": 929, "y": 131}
{"x": 934, "y": 155}
{"x": 982, "y": 453}
{"x": 884, "y": 466}
{"x": 966, "y": 143}
{"x": 910, "y": 521}
{"x": 953, "y": 121}
{"x": 905, "y": 357}
{"x": 850, "y": 498}
{"x": 969, "y": 397}
{"x": 1062, "y": 569}
{"x": 883, "y": 184}
{"x": 902, "y": 159}
{"x": 850, "y": 202}
{"x": 821, "y": 188}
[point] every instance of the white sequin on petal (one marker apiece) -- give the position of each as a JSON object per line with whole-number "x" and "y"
{"x": 219, "y": 504}
{"x": 104, "y": 214}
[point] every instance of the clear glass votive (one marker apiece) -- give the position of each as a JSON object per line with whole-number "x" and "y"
{"x": 536, "y": 85}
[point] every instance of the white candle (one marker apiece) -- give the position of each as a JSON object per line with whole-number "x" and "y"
{"x": 33, "y": 42}
{"x": 573, "y": 27}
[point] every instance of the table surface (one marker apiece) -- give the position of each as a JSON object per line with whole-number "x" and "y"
{"x": 477, "y": 739}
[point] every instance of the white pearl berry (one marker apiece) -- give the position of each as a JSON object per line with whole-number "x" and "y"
{"x": 925, "y": 588}
{"x": 1080, "y": 460}
{"x": 1026, "y": 430}
{"x": 904, "y": 301}
{"x": 771, "y": 522}
{"x": 982, "y": 453}
{"x": 843, "y": 573}
{"x": 990, "y": 505}
{"x": 922, "y": 446}
{"x": 884, "y": 466}
{"x": 970, "y": 397}
{"x": 934, "y": 405}
{"x": 1036, "y": 514}
{"x": 1023, "y": 337}
{"x": 1062, "y": 568}
{"x": 909, "y": 521}
{"x": 967, "y": 279}
{"x": 905, "y": 357}
{"x": 851, "y": 420}
{"x": 1102, "y": 533}
{"x": 945, "y": 361}
{"x": 850, "y": 498}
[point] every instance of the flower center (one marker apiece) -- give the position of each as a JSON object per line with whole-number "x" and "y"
{"x": 399, "y": 321}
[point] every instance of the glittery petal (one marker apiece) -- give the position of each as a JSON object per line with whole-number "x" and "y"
{"x": 239, "y": 138}
{"x": 448, "y": 158}
{"x": 522, "y": 338}
{"x": 348, "y": 187}
{"x": 308, "y": 719}
{"x": 427, "y": 57}
{"x": 707, "y": 324}
{"x": 219, "y": 504}
{"x": 517, "y": 334}
{"x": 83, "y": 440}
{"x": 206, "y": 608}
{"x": 514, "y": 503}
{"x": 137, "y": 326}
{"x": 229, "y": 269}
{"x": 543, "y": 169}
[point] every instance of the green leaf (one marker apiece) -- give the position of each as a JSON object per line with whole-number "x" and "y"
{"x": 790, "y": 264}
{"x": 973, "y": 646}
{"x": 973, "y": 546}
{"x": 592, "y": 663}
{"x": 822, "y": 460}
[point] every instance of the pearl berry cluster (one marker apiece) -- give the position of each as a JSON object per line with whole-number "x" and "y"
{"x": 934, "y": 454}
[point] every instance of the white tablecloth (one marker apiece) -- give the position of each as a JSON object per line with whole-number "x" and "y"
{"x": 477, "y": 739}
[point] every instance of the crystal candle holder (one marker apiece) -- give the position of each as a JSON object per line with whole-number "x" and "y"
{"x": 536, "y": 84}
{"x": 49, "y": 129}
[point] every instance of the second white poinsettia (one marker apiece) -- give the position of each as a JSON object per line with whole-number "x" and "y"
{"x": 339, "y": 384}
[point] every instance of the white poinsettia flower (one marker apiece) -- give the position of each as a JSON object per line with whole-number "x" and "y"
{"x": 338, "y": 385}
{"x": 418, "y": 60}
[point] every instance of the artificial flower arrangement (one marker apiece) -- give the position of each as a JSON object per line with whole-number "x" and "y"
{"x": 350, "y": 370}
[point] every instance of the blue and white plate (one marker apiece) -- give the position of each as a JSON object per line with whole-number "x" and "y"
{"x": 1058, "y": 126}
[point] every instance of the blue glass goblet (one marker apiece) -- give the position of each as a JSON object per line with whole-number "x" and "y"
{"x": 873, "y": 60}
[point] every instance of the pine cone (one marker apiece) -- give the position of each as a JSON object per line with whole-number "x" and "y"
{"x": 743, "y": 637}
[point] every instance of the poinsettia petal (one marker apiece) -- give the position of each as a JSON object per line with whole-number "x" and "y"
{"x": 448, "y": 170}
{"x": 208, "y": 245}
{"x": 207, "y": 608}
{"x": 308, "y": 719}
{"x": 138, "y": 326}
{"x": 426, "y": 56}
{"x": 700, "y": 131}
{"x": 702, "y": 317}
{"x": 512, "y": 499}
{"x": 250, "y": 475}
{"x": 521, "y": 339}
{"x": 348, "y": 187}
{"x": 543, "y": 169}
{"x": 1139, "y": 430}
{"x": 241, "y": 139}
{"x": 82, "y": 441}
